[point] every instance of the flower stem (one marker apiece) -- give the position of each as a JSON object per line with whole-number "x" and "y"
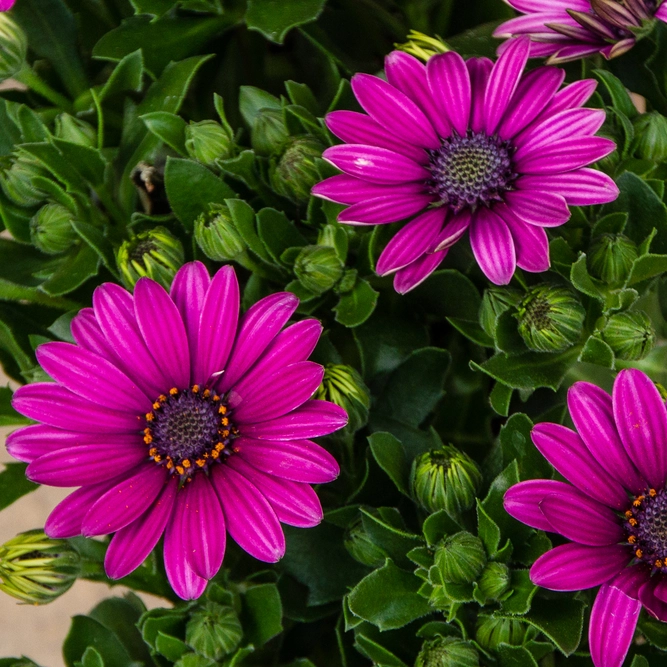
{"x": 28, "y": 76}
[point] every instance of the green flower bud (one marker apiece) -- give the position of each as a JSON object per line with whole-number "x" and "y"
{"x": 18, "y": 182}
{"x": 13, "y": 47}
{"x": 77, "y": 131}
{"x": 318, "y": 268}
{"x": 494, "y": 631}
{"x": 361, "y": 547}
{"x": 445, "y": 478}
{"x": 495, "y": 302}
{"x": 216, "y": 234}
{"x": 343, "y": 386}
{"x": 447, "y": 652}
{"x": 651, "y": 133}
{"x": 294, "y": 173}
{"x": 269, "y": 132}
{"x": 155, "y": 253}
{"x": 214, "y": 631}
{"x": 194, "y": 660}
{"x": 460, "y": 558}
{"x": 208, "y": 141}
{"x": 422, "y": 46}
{"x": 51, "y": 229}
{"x": 610, "y": 258}
{"x": 36, "y": 569}
{"x": 495, "y": 580}
{"x": 629, "y": 335}
{"x": 550, "y": 318}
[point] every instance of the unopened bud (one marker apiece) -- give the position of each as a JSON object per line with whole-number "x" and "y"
{"x": 208, "y": 141}
{"x": 460, "y": 558}
{"x": 445, "y": 478}
{"x": 318, "y": 268}
{"x": 651, "y": 133}
{"x": 51, "y": 229}
{"x": 75, "y": 130}
{"x": 361, "y": 547}
{"x": 18, "y": 182}
{"x": 491, "y": 632}
{"x": 550, "y": 318}
{"x": 495, "y": 302}
{"x": 422, "y": 46}
{"x": 447, "y": 652}
{"x": 214, "y": 631}
{"x": 294, "y": 173}
{"x": 155, "y": 253}
{"x": 217, "y": 236}
{"x": 344, "y": 386}
{"x": 610, "y": 258}
{"x": 494, "y": 581}
{"x": 269, "y": 132}
{"x": 630, "y": 335}
{"x": 13, "y": 47}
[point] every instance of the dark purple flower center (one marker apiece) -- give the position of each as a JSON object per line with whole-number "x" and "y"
{"x": 471, "y": 170}
{"x": 646, "y": 523}
{"x": 188, "y": 430}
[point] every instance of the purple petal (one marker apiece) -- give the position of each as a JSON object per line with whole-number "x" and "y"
{"x": 531, "y": 243}
{"x": 163, "y": 330}
{"x": 394, "y": 110}
{"x": 411, "y": 242}
{"x": 503, "y": 81}
{"x": 661, "y": 12}
{"x": 358, "y": 128}
{"x": 125, "y": 502}
{"x": 543, "y": 5}
{"x": 204, "y": 536}
{"x": 566, "y": 452}
{"x": 660, "y": 591}
{"x": 654, "y": 605}
{"x": 88, "y": 335}
{"x": 574, "y": 95}
{"x": 581, "y": 519}
{"x": 251, "y": 521}
{"x": 30, "y": 442}
{"x": 493, "y": 246}
{"x": 449, "y": 82}
{"x": 592, "y": 413}
{"x": 576, "y": 567}
{"x": 294, "y": 503}
{"x": 377, "y": 165}
{"x": 453, "y": 231}
{"x": 570, "y": 53}
{"x": 131, "y": 545}
{"x": 81, "y": 464}
{"x": 415, "y": 274}
{"x": 345, "y": 189}
{"x": 408, "y": 75}
{"x": 522, "y": 501}
{"x": 298, "y": 460}
{"x": 56, "y": 406}
{"x": 582, "y": 187}
{"x": 92, "y": 377}
{"x": 311, "y": 420}
{"x": 641, "y": 419}
{"x": 567, "y": 155}
{"x": 613, "y": 621}
{"x": 538, "y": 208}
{"x": 533, "y": 23}
{"x": 479, "y": 70}
{"x": 385, "y": 209}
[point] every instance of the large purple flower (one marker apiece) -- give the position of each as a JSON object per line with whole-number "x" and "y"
{"x": 176, "y": 416}
{"x": 466, "y": 145}
{"x": 566, "y": 30}
{"x": 614, "y": 509}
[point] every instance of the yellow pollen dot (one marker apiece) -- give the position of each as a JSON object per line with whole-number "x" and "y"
{"x": 224, "y": 421}
{"x": 152, "y": 451}
{"x": 150, "y": 416}
{"x": 200, "y": 462}
{"x": 173, "y": 391}
{"x": 148, "y": 439}
{"x": 632, "y": 539}
{"x": 236, "y": 450}
{"x": 157, "y": 458}
{"x": 224, "y": 434}
{"x": 639, "y": 553}
{"x": 170, "y": 465}
{"x": 219, "y": 447}
{"x": 180, "y": 470}
{"x": 162, "y": 398}
{"x": 156, "y": 405}
{"x": 147, "y": 431}
{"x": 186, "y": 463}
{"x": 653, "y": 493}
{"x": 628, "y": 514}
{"x": 195, "y": 388}
{"x": 658, "y": 563}
{"x": 216, "y": 399}
{"x": 207, "y": 393}
{"x": 633, "y": 522}
{"x": 638, "y": 501}
{"x": 222, "y": 409}
{"x": 214, "y": 454}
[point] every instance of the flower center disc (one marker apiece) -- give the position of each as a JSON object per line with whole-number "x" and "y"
{"x": 188, "y": 430}
{"x": 647, "y": 527}
{"x": 471, "y": 170}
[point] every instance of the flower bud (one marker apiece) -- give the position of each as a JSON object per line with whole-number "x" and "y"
{"x": 422, "y": 46}
{"x": 18, "y": 182}
{"x": 343, "y": 386}
{"x": 294, "y": 173}
{"x": 651, "y": 133}
{"x": 360, "y": 546}
{"x": 447, "y": 652}
{"x": 494, "y": 631}
{"x": 213, "y": 631}
{"x": 77, "y": 131}
{"x": 445, "y": 478}
{"x": 629, "y": 335}
{"x": 495, "y": 302}
{"x": 610, "y": 258}
{"x": 460, "y": 558}
{"x": 36, "y": 569}
{"x": 495, "y": 580}
{"x": 51, "y": 229}
{"x": 216, "y": 234}
{"x": 155, "y": 253}
{"x": 208, "y": 141}
{"x": 269, "y": 132}
{"x": 13, "y": 47}
{"x": 550, "y": 318}
{"x": 318, "y": 268}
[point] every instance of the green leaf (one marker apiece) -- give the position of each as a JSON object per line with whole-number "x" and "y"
{"x": 561, "y": 620}
{"x": 523, "y": 591}
{"x": 619, "y": 95}
{"x": 162, "y": 621}
{"x": 262, "y": 614}
{"x": 127, "y": 76}
{"x": 356, "y": 306}
{"x": 168, "y": 127}
{"x": 388, "y": 598}
{"x": 393, "y": 539}
{"x": 516, "y": 445}
{"x": 390, "y": 456}
{"x": 252, "y": 100}
{"x": 275, "y": 18}
{"x": 448, "y": 293}
{"x": 437, "y": 526}
{"x": 647, "y": 266}
{"x": 78, "y": 266}
{"x": 170, "y": 647}
{"x": 84, "y": 632}
{"x": 14, "y": 484}
{"x": 88, "y": 161}
{"x": 500, "y": 398}
{"x": 153, "y": 7}
{"x": 596, "y": 351}
{"x": 515, "y": 656}
{"x": 582, "y": 280}
{"x": 91, "y": 658}
{"x": 9, "y": 416}
{"x": 277, "y": 233}
{"x": 614, "y": 223}
{"x": 378, "y": 654}
{"x": 487, "y": 531}
{"x": 640, "y": 661}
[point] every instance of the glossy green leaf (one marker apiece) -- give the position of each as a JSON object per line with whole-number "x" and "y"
{"x": 262, "y": 614}
{"x": 168, "y": 127}
{"x": 561, "y": 620}
{"x": 85, "y": 631}
{"x": 77, "y": 267}
{"x": 391, "y": 457}
{"x": 596, "y": 351}
{"x": 14, "y": 484}
{"x": 378, "y": 654}
{"x": 126, "y": 77}
{"x": 275, "y": 18}
{"x": 356, "y": 306}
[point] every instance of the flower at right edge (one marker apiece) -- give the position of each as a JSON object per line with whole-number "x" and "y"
{"x": 613, "y": 511}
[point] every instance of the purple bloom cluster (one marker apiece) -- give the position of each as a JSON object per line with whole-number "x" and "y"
{"x": 175, "y": 415}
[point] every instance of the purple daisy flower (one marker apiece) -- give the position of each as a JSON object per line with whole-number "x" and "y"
{"x": 174, "y": 415}
{"x": 466, "y": 145}
{"x": 613, "y": 509}
{"x": 566, "y": 30}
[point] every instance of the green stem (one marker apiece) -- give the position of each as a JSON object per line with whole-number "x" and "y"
{"x": 39, "y": 86}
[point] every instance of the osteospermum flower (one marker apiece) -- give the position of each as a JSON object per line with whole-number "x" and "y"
{"x": 176, "y": 416}
{"x": 566, "y": 30}
{"x": 614, "y": 508}
{"x": 466, "y": 145}
{"x": 6, "y": 5}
